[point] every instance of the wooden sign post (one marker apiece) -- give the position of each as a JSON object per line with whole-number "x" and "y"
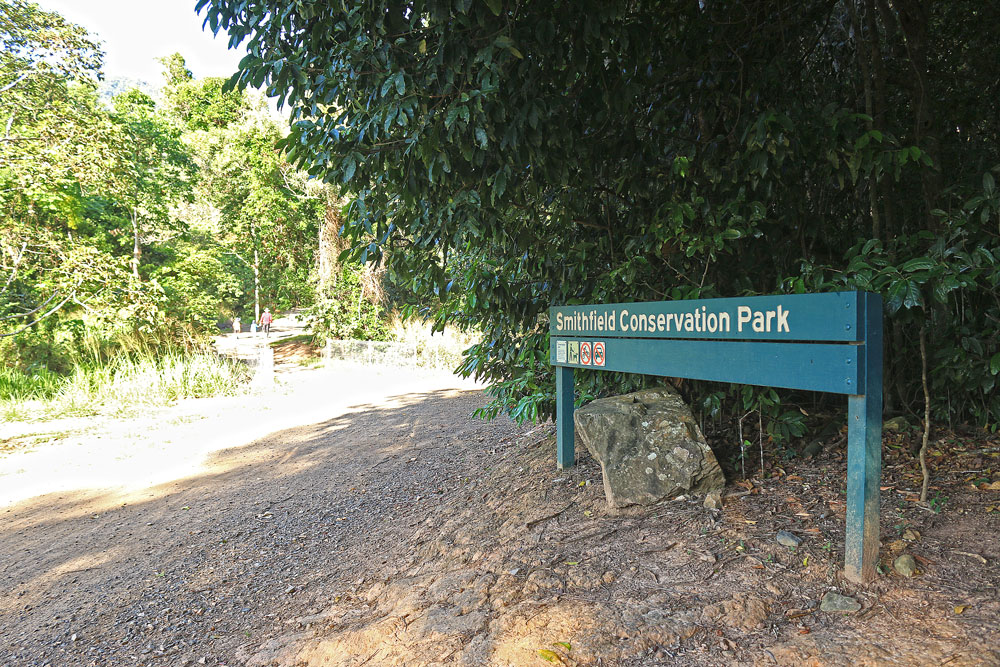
{"x": 821, "y": 342}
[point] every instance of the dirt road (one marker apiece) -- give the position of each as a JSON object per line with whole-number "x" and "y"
{"x": 173, "y": 538}
{"x": 364, "y": 518}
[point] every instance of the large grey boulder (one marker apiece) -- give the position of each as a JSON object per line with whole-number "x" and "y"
{"x": 649, "y": 447}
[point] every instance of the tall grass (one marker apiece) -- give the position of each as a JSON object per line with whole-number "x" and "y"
{"x": 122, "y": 385}
{"x": 18, "y": 386}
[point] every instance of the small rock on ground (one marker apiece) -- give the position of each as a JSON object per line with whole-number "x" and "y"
{"x": 787, "y": 539}
{"x": 905, "y": 565}
{"x": 836, "y": 602}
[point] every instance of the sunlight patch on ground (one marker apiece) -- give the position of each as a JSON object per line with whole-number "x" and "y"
{"x": 80, "y": 564}
{"x": 179, "y": 442}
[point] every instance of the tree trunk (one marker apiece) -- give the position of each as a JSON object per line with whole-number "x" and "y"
{"x": 256, "y": 284}
{"x": 329, "y": 245}
{"x": 136, "y": 248}
{"x": 866, "y": 80}
{"x": 913, "y": 21}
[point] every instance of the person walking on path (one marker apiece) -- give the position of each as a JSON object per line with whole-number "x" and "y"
{"x": 237, "y": 325}
{"x": 265, "y": 322}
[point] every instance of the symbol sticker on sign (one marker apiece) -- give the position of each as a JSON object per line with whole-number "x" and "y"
{"x": 574, "y": 352}
{"x": 585, "y": 354}
{"x": 560, "y": 352}
{"x": 599, "y": 355}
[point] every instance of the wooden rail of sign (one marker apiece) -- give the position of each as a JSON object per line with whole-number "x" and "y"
{"x": 821, "y": 342}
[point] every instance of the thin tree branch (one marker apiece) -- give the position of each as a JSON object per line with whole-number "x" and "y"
{"x": 17, "y": 264}
{"x": 927, "y": 413}
{"x": 15, "y": 82}
{"x": 31, "y": 324}
{"x": 14, "y": 317}
{"x": 237, "y": 256}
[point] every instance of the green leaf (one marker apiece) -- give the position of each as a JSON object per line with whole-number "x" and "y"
{"x": 349, "y": 168}
{"x": 918, "y": 264}
{"x": 912, "y": 296}
{"x": 496, "y": 6}
{"x": 989, "y": 185}
{"x": 896, "y": 294}
{"x": 995, "y": 364}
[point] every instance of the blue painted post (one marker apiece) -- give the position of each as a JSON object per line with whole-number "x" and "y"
{"x": 565, "y": 451}
{"x": 864, "y": 451}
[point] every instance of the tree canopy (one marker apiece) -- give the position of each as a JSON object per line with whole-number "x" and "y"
{"x": 121, "y": 219}
{"x": 506, "y": 155}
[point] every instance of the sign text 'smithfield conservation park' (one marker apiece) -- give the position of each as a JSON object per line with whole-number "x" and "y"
{"x": 697, "y": 320}
{"x": 830, "y": 316}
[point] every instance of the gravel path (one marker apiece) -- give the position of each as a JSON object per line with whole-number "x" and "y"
{"x": 177, "y": 543}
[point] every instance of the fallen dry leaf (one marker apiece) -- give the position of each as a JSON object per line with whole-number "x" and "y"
{"x": 897, "y": 546}
{"x": 550, "y": 656}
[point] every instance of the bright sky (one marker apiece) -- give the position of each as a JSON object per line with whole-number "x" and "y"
{"x": 137, "y": 32}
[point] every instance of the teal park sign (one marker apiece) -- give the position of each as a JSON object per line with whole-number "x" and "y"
{"x": 828, "y": 342}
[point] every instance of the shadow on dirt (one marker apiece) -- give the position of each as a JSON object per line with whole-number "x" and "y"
{"x": 409, "y": 533}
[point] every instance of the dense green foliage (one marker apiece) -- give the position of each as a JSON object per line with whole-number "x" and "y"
{"x": 57, "y": 240}
{"x": 346, "y": 310}
{"x": 268, "y": 214}
{"x": 509, "y": 155}
{"x": 201, "y": 104}
{"x": 133, "y": 227}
